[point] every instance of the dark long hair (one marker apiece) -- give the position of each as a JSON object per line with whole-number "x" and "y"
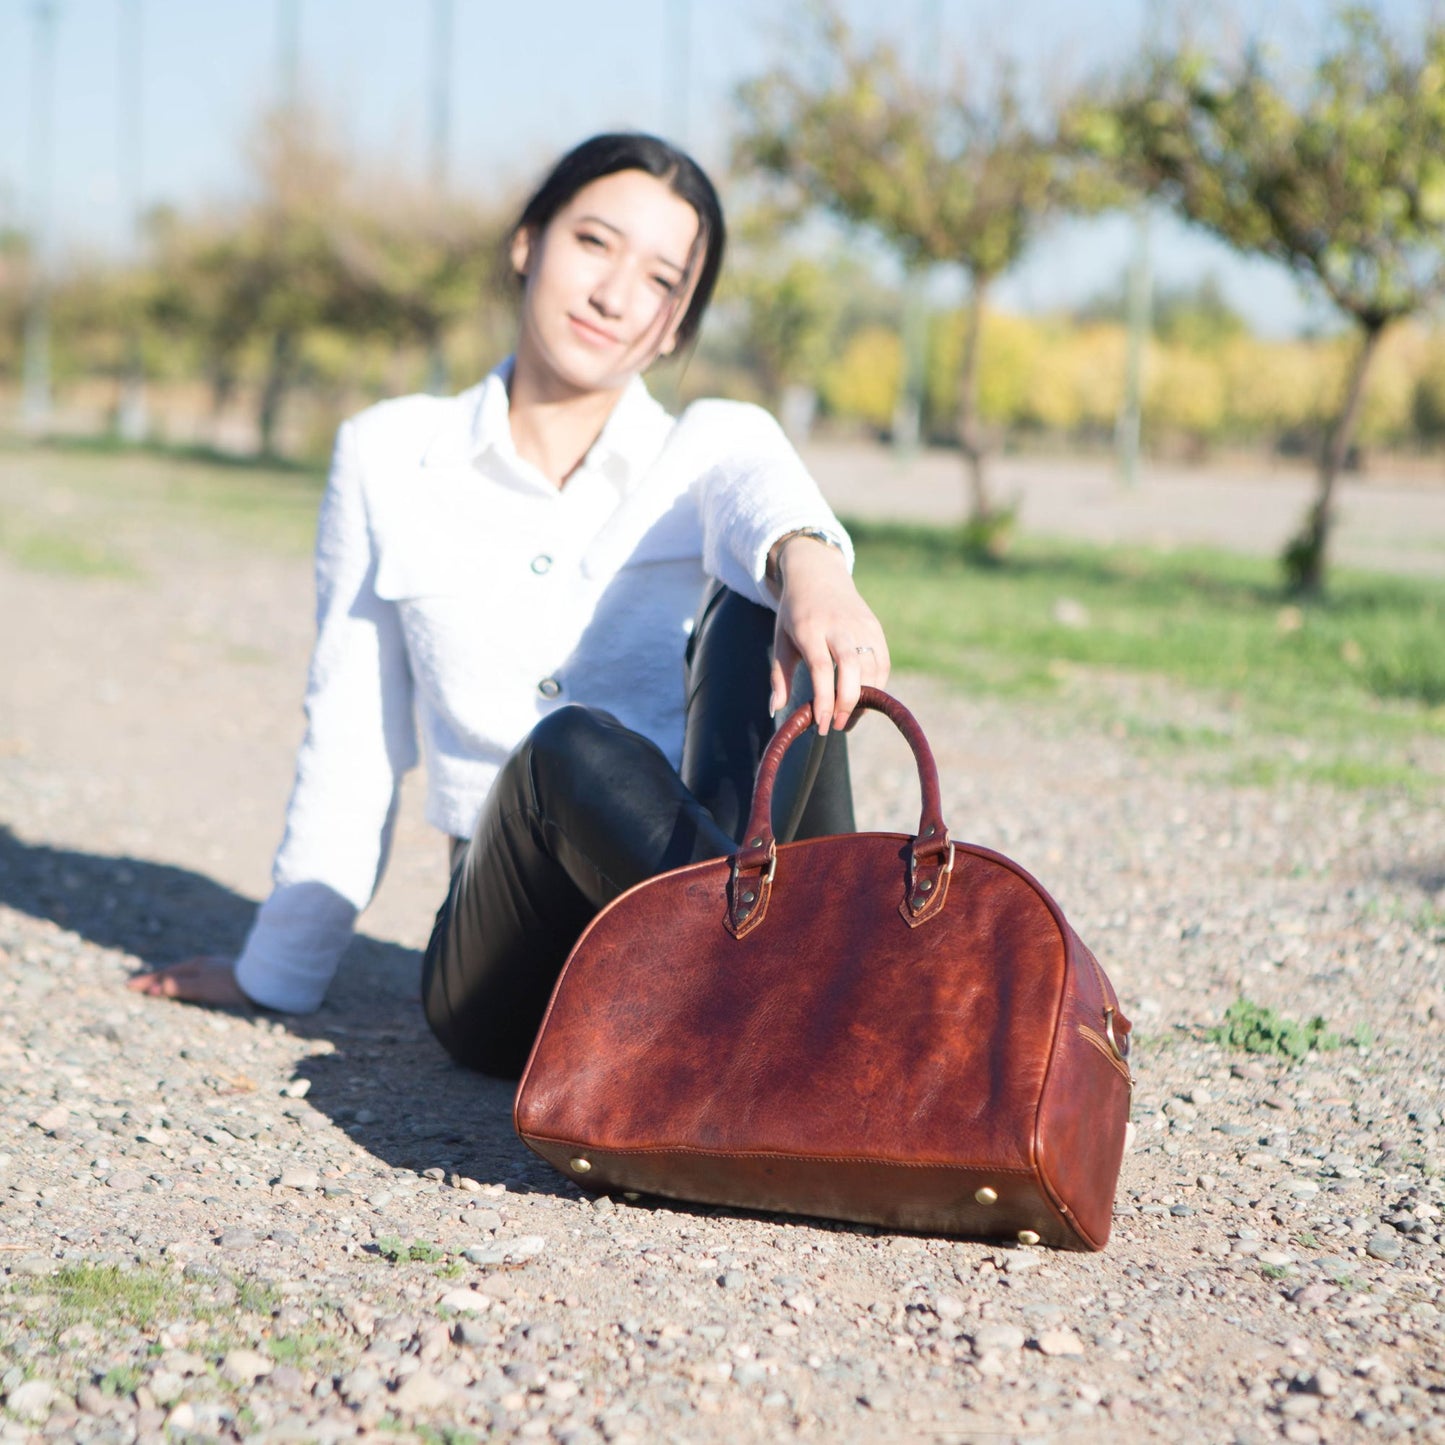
{"x": 605, "y": 155}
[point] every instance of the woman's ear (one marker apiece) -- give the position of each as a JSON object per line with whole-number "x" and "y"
{"x": 521, "y": 250}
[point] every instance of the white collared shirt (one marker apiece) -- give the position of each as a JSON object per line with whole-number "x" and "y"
{"x": 463, "y": 595}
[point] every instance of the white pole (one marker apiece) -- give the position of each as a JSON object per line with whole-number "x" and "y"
{"x": 36, "y": 403}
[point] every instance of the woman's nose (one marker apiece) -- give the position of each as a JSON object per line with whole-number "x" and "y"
{"x": 609, "y": 295}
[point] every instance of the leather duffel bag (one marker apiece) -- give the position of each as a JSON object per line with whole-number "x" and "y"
{"x": 889, "y": 1029}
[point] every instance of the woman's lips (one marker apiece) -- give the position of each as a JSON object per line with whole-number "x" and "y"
{"x": 593, "y": 335}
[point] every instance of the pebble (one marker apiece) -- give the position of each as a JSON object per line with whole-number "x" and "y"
{"x": 35, "y": 1400}
{"x": 1384, "y": 1246}
{"x": 1059, "y": 1342}
{"x": 125, "y": 1181}
{"x": 245, "y": 1367}
{"x": 295, "y": 1177}
{"x": 997, "y": 1339}
{"x": 465, "y": 1301}
{"x": 421, "y": 1391}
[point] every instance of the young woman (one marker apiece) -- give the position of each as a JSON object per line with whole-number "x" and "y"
{"x": 517, "y": 570}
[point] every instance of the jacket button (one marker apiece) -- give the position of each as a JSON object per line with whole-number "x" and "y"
{"x": 550, "y": 687}
{"x": 541, "y": 563}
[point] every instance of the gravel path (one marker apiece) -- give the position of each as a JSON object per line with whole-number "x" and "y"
{"x": 219, "y": 1225}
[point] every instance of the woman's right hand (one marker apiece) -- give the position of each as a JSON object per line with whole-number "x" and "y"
{"x": 207, "y": 978}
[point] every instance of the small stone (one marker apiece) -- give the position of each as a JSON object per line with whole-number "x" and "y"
{"x": 245, "y": 1367}
{"x": 360, "y": 1385}
{"x": 949, "y": 1307}
{"x": 33, "y": 1266}
{"x": 528, "y": 1246}
{"x": 52, "y": 1119}
{"x": 237, "y": 1238}
{"x": 470, "y": 1332}
{"x": 484, "y": 1258}
{"x": 487, "y": 1219}
{"x": 295, "y": 1177}
{"x": 997, "y": 1339}
{"x": 1299, "y": 1407}
{"x": 1275, "y": 1258}
{"x": 287, "y": 1379}
{"x": 1312, "y": 1294}
{"x": 35, "y": 1400}
{"x": 166, "y": 1386}
{"x": 1384, "y": 1247}
{"x": 801, "y": 1304}
{"x": 1325, "y": 1383}
{"x": 296, "y": 1089}
{"x": 1059, "y": 1342}
{"x": 125, "y": 1181}
{"x": 465, "y": 1301}
{"x": 732, "y": 1279}
{"x": 466, "y": 1185}
{"x": 422, "y": 1391}
{"x": 181, "y": 1420}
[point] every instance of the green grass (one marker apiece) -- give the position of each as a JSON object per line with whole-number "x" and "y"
{"x": 1192, "y": 654}
{"x": 104, "y": 1294}
{"x": 1193, "y": 651}
{"x": 88, "y": 508}
{"x": 40, "y": 549}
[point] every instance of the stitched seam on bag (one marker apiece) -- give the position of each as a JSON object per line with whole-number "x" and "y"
{"x": 1100, "y": 1043}
{"x": 609, "y": 1151}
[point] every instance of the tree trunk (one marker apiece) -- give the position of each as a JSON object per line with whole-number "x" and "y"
{"x": 969, "y": 436}
{"x": 1304, "y": 557}
{"x": 273, "y": 392}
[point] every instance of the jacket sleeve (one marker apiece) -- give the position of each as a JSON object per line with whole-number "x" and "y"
{"x": 360, "y": 740}
{"x": 751, "y": 489}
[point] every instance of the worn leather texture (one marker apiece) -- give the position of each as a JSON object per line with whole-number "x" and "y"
{"x": 808, "y": 1028}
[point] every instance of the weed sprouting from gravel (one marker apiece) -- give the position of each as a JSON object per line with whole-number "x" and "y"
{"x": 107, "y": 1294}
{"x": 390, "y": 1246}
{"x": 1260, "y": 1030}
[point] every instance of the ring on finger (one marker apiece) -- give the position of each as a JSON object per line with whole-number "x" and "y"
{"x": 861, "y": 650}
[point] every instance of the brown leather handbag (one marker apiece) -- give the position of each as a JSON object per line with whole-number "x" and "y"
{"x": 895, "y": 1030}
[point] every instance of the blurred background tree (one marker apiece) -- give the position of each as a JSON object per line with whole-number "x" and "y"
{"x": 1342, "y": 179}
{"x": 962, "y": 175}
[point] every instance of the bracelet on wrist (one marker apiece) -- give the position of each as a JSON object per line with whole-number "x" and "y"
{"x": 774, "y": 568}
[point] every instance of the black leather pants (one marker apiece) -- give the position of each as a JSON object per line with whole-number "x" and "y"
{"x": 584, "y": 809}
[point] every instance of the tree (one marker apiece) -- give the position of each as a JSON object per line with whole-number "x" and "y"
{"x": 1342, "y": 179}
{"x": 956, "y": 176}
{"x": 323, "y": 248}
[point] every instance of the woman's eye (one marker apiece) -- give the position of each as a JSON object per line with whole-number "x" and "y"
{"x": 666, "y": 285}
{"x": 590, "y": 238}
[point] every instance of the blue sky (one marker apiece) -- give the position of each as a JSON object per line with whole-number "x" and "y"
{"x": 530, "y": 79}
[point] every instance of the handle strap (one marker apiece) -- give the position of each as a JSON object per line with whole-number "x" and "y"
{"x": 930, "y": 858}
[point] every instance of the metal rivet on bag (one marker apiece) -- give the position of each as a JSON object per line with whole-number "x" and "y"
{"x": 924, "y": 886}
{"x": 986, "y": 1195}
{"x": 755, "y": 842}
{"x": 581, "y": 1166}
{"x": 750, "y": 897}
{"x": 1028, "y": 1236}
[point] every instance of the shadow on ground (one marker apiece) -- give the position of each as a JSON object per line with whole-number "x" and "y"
{"x": 386, "y": 1082}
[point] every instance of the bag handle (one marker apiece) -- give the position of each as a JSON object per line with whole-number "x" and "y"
{"x": 930, "y": 855}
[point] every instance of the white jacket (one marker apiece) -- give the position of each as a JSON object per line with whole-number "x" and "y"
{"x": 461, "y": 591}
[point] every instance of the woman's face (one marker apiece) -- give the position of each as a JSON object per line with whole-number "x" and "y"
{"x": 607, "y": 283}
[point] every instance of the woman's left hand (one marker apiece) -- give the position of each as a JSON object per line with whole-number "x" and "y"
{"x": 824, "y": 624}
